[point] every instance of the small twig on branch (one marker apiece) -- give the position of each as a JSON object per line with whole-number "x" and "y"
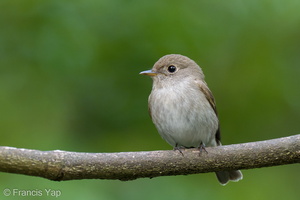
{"x": 63, "y": 165}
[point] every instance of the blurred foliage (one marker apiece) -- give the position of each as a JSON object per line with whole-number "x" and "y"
{"x": 69, "y": 80}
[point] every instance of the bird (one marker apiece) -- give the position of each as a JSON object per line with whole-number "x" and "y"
{"x": 183, "y": 109}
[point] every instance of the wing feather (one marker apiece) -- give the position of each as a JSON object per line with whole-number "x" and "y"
{"x": 210, "y": 98}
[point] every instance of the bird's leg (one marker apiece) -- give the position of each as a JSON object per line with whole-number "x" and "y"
{"x": 201, "y": 148}
{"x": 178, "y": 148}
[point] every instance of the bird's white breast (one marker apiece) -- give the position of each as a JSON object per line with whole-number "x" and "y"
{"x": 183, "y": 115}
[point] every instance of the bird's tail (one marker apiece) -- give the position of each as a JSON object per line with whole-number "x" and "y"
{"x": 225, "y": 176}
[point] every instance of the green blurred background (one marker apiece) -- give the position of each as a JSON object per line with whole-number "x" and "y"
{"x": 69, "y": 80}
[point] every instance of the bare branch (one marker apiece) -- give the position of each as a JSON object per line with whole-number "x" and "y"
{"x": 63, "y": 165}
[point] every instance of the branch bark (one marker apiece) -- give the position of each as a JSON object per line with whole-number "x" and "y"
{"x": 62, "y": 165}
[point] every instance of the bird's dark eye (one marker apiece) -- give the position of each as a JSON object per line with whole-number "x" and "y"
{"x": 171, "y": 68}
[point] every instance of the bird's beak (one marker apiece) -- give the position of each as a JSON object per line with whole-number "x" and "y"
{"x": 149, "y": 73}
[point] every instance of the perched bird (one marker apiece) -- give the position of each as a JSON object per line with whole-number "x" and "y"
{"x": 183, "y": 108}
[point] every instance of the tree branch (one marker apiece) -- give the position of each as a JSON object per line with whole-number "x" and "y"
{"x": 63, "y": 165}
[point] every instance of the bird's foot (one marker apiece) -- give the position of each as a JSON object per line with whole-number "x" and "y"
{"x": 179, "y": 148}
{"x": 201, "y": 148}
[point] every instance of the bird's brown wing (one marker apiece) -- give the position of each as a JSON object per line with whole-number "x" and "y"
{"x": 210, "y": 98}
